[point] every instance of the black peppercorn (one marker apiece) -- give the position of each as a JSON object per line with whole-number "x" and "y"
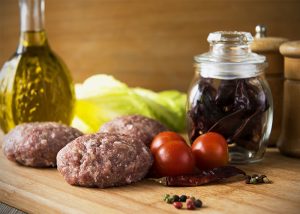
{"x": 176, "y": 198}
{"x": 260, "y": 179}
{"x": 183, "y": 198}
{"x": 198, "y": 203}
{"x": 248, "y": 178}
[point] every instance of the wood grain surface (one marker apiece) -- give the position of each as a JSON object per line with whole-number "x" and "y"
{"x": 45, "y": 191}
{"x": 148, "y": 43}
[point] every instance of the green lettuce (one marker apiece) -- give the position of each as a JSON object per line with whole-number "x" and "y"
{"x": 101, "y": 98}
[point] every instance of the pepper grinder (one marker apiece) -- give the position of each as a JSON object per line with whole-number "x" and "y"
{"x": 269, "y": 47}
{"x": 289, "y": 142}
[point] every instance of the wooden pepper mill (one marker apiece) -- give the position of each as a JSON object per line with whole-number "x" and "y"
{"x": 269, "y": 47}
{"x": 289, "y": 142}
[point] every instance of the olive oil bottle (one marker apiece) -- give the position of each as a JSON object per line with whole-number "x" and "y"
{"x": 35, "y": 85}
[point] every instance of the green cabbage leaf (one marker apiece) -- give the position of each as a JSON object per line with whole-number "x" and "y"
{"x": 101, "y": 98}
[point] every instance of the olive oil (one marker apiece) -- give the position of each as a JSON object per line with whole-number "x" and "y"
{"x": 35, "y": 85}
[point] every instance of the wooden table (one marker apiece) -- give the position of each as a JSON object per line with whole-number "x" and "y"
{"x": 45, "y": 191}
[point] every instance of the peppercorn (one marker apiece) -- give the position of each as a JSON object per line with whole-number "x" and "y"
{"x": 170, "y": 200}
{"x": 183, "y": 198}
{"x": 261, "y": 178}
{"x": 190, "y": 204}
{"x": 177, "y": 204}
{"x": 176, "y": 198}
{"x": 253, "y": 181}
{"x": 198, "y": 203}
{"x": 193, "y": 198}
{"x": 166, "y": 196}
{"x": 266, "y": 180}
{"x": 257, "y": 179}
{"x": 248, "y": 178}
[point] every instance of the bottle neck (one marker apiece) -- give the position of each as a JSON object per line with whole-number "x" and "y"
{"x": 32, "y": 23}
{"x": 32, "y": 15}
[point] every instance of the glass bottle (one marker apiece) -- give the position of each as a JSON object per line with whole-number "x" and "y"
{"x": 229, "y": 95}
{"x": 35, "y": 85}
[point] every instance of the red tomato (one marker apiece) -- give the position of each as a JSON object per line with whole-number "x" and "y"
{"x": 164, "y": 137}
{"x": 210, "y": 150}
{"x": 174, "y": 158}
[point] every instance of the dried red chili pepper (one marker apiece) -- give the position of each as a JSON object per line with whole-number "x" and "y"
{"x": 202, "y": 177}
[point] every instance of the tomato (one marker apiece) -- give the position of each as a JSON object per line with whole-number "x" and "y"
{"x": 210, "y": 150}
{"x": 164, "y": 137}
{"x": 174, "y": 158}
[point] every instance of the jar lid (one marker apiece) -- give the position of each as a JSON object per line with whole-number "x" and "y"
{"x": 230, "y": 56}
{"x": 290, "y": 49}
{"x": 230, "y": 47}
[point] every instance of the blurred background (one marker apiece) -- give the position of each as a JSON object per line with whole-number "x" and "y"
{"x": 147, "y": 43}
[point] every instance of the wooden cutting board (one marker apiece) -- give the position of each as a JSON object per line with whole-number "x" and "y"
{"x": 45, "y": 191}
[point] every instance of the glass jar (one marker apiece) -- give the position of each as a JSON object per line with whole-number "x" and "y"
{"x": 229, "y": 95}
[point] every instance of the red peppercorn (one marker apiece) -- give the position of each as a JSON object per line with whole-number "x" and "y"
{"x": 177, "y": 205}
{"x": 190, "y": 204}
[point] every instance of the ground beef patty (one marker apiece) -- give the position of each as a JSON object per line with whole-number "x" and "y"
{"x": 136, "y": 126}
{"x": 37, "y": 144}
{"x": 104, "y": 160}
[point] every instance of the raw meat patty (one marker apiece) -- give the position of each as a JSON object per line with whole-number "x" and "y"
{"x": 136, "y": 126}
{"x": 37, "y": 144}
{"x": 104, "y": 160}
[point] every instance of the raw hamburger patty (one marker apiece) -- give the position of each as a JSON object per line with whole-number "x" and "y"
{"x": 104, "y": 160}
{"x": 135, "y": 126}
{"x": 37, "y": 144}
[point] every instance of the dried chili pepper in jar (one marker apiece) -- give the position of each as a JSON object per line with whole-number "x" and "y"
{"x": 229, "y": 95}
